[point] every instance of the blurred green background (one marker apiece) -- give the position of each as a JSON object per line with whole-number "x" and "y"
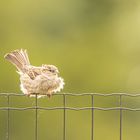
{"x": 96, "y": 46}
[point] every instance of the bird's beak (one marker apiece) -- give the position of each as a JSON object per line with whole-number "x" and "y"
{"x": 57, "y": 71}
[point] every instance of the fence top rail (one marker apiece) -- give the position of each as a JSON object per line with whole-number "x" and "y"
{"x": 80, "y": 94}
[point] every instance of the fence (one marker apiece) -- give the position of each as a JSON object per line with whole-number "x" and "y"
{"x": 36, "y": 108}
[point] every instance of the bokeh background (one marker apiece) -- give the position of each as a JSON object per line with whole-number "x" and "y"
{"x": 96, "y": 46}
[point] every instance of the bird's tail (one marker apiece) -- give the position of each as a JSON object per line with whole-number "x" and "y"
{"x": 19, "y": 58}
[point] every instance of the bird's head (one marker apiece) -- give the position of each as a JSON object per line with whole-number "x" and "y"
{"x": 50, "y": 68}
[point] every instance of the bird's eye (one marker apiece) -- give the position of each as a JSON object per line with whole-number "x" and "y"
{"x": 52, "y": 71}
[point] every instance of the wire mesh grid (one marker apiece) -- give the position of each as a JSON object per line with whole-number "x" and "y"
{"x": 120, "y": 108}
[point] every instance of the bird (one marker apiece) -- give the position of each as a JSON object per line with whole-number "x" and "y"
{"x": 35, "y": 80}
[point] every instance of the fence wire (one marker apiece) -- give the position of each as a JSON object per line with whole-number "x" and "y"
{"x": 120, "y": 108}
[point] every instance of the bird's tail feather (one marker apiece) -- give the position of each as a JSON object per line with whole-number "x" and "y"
{"x": 19, "y": 58}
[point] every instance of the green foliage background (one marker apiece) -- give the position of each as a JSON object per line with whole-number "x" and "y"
{"x": 96, "y": 46}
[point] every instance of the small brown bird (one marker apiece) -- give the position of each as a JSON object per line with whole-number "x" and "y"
{"x": 43, "y": 80}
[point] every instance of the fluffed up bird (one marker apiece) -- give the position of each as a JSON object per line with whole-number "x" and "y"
{"x": 40, "y": 81}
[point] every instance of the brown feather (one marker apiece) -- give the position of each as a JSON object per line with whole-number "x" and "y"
{"x": 19, "y": 58}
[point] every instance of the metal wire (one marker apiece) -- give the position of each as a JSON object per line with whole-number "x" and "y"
{"x": 79, "y": 94}
{"x": 120, "y": 117}
{"x": 64, "y": 119}
{"x": 120, "y": 108}
{"x": 92, "y": 118}
{"x": 70, "y": 108}
{"x": 8, "y": 118}
{"x": 36, "y": 121}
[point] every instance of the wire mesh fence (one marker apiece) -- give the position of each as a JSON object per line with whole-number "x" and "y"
{"x": 65, "y": 108}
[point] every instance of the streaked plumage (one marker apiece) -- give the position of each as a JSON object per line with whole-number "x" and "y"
{"x": 43, "y": 80}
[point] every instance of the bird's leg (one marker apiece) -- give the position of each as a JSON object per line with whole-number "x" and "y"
{"x": 49, "y": 94}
